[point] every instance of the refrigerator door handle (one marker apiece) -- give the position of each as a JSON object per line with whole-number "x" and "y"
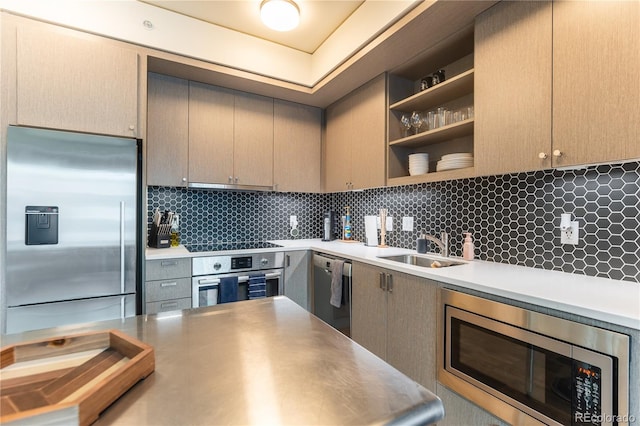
{"x": 122, "y": 307}
{"x": 122, "y": 259}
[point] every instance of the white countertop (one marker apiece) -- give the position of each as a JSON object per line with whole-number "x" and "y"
{"x": 613, "y": 301}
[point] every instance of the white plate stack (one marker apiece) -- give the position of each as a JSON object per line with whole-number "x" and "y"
{"x": 458, "y": 160}
{"x": 418, "y": 164}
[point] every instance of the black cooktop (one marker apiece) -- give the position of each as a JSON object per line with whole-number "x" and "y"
{"x": 241, "y": 245}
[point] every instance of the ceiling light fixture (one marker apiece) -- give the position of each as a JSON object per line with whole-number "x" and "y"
{"x": 280, "y": 15}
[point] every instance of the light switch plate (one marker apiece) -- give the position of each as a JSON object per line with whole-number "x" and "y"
{"x": 407, "y": 224}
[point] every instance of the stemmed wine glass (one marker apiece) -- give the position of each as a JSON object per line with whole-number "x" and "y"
{"x": 406, "y": 123}
{"x": 416, "y": 121}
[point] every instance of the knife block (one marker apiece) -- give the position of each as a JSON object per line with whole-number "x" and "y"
{"x": 160, "y": 236}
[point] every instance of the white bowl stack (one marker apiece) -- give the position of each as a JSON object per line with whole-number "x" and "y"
{"x": 418, "y": 164}
{"x": 458, "y": 160}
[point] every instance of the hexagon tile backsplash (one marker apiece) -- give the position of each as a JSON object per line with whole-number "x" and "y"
{"x": 513, "y": 218}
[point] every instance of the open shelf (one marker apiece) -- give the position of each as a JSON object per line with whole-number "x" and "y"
{"x": 451, "y": 131}
{"x": 456, "y": 87}
{"x": 466, "y": 172}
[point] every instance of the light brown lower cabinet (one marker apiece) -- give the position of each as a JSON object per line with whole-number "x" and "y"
{"x": 394, "y": 316}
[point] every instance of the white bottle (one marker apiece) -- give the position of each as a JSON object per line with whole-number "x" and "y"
{"x": 468, "y": 248}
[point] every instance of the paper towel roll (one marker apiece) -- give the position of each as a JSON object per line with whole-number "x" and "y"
{"x": 371, "y": 230}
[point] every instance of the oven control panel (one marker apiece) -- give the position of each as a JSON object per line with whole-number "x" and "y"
{"x": 243, "y": 262}
{"x": 210, "y": 265}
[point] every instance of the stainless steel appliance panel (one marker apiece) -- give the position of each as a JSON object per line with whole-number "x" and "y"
{"x": 92, "y": 180}
{"x": 56, "y": 314}
{"x": 205, "y": 287}
{"x": 515, "y": 362}
{"x": 339, "y": 318}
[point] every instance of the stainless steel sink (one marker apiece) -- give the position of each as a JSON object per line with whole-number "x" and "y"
{"x": 424, "y": 261}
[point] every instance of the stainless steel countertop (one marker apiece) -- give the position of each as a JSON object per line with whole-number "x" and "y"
{"x": 261, "y": 362}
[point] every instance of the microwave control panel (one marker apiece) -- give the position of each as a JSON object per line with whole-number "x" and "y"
{"x": 587, "y": 389}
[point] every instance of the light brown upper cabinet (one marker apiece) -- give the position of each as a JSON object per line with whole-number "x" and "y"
{"x": 167, "y": 130}
{"x": 253, "y": 140}
{"x": 596, "y": 81}
{"x": 355, "y": 139}
{"x": 556, "y": 85}
{"x": 297, "y": 149}
{"x": 513, "y": 77}
{"x": 230, "y": 137}
{"x": 211, "y": 118}
{"x": 74, "y": 81}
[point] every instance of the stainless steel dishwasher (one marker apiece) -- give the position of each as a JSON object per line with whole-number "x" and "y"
{"x": 338, "y": 318}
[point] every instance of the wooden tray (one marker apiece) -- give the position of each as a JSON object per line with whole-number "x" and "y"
{"x": 70, "y": 376}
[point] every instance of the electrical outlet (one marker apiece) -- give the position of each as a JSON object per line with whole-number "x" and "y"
{"x": 571, "y": 235}
{"x": 407, "y": 224}
{"x": 293, "y": 221}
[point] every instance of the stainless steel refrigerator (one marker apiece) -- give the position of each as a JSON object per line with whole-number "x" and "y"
{"x": 72, "y": 228}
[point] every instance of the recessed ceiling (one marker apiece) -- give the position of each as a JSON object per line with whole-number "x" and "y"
{"x": 318, "y": 18}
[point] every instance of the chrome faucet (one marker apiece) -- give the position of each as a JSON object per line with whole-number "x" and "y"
{"x": 442, "y": 243}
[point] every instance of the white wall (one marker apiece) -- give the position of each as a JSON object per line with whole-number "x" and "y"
{"x": 123, "y": 20}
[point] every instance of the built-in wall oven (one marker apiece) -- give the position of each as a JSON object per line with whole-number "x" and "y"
{"x": 517, "y": 363}
{"x": 209, "y": 272}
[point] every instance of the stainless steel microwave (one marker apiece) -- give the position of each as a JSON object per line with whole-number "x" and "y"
{"x": 519, "y": 364}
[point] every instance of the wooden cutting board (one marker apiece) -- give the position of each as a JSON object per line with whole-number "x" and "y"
{"x": 78, "y": 375}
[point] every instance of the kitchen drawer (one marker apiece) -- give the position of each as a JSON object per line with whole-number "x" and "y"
{"x": 168, "y": 305}
{"x": 166, "y": 269}
{"x": 155, "y": 291}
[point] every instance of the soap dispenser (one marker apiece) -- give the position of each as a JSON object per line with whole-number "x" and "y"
{"x": 468, "y": 248}
{"x": 347, "y": 225}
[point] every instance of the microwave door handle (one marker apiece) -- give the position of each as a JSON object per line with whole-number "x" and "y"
{"x": 530, "y": 367}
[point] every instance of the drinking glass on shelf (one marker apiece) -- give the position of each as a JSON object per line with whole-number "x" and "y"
{"x": 416, "y": 121}
{"x": 406, "y": 124}
{"x": 431, "y": 120}
{"x": 442, "y": 115}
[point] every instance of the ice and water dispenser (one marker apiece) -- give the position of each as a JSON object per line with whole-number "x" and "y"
{"x": 41, "y": 225}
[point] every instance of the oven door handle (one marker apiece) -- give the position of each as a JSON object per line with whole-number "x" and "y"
{"x": 241, "y": 278}
{"x": 245, "y": 278}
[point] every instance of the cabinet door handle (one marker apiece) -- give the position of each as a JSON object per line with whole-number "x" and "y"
{"x": 169, "y": 263}
{"x": 288, "y": 260}
{"x": 169, "y": 305}
{"x": 542, "y": 156}
{"x": 389, "y": 283}
{"x": 173, "y": 284}
{"x": 557, "y": 153}
{"x": 382, "y": 281}
{"x": 230, "y": 179}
